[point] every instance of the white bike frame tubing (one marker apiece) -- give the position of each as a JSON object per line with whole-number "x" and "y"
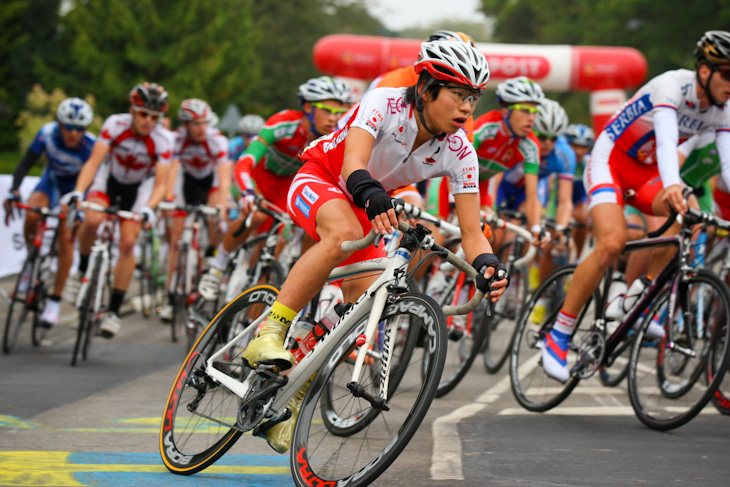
{"x": 369, "y": 302}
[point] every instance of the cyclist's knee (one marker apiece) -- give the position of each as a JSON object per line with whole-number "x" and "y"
{"x": 127, "y": 243}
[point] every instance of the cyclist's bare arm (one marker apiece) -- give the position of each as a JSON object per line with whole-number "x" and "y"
{"x": 171, "y": 176}
{"x": 565, "y": 202}
{"x": 88, "y": 170}
{"x": 158, "y": 193}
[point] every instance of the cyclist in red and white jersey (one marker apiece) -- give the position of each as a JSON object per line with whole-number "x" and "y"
{"x": 637, "y": 150}
{"x": 270, "y": 162}
{"x": 503, "y": 139}
{"x": 127, "y": 168}
{"x": 200, "y": 174}
{"x": 398, "y": 136}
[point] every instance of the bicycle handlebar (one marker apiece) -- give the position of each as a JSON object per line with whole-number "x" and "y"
{"x": 483, "y": 284}
{"x": 43, "y": 210}
{"x": 121, "y": 214}
{"x": 204, "y": 209}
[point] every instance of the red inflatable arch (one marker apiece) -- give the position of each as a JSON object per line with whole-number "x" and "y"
{"x": 603, "y": 71}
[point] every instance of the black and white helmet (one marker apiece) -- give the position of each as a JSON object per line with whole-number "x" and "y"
{"x": 193, "y": 108}
{"x": 150, "y": 96}
{"x": 457, "y": 62}
{"x": 250, "y": 124}
{"x": 519, "y": 90}
{"x": 75, "y": 111}
{"x": 551, "y": 118}
{"x": 325, "y": 88}
{"x": 579, "y": 134}
{"x": 714, "y": 47}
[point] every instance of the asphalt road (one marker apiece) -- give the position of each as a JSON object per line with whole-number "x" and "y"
{"x": 97, "y": 425}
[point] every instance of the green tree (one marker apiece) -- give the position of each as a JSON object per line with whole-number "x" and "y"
{"x": 27, "y": 30}
{"x": 288, "y": 32}
{"x": 195, "y": 48}
{"x": 665, "y": 32}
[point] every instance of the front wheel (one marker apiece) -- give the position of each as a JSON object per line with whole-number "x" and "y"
{"x": 199, "y": 423}
{"x": 531, "y": 386}
{"x": 668, "y": 383}
{"x": 500, "y": 327}
{"x": 21, "y": 309}
{"x": 322, "y": 456}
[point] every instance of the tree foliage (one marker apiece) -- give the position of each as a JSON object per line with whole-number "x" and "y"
{"x": 665, "y": 32}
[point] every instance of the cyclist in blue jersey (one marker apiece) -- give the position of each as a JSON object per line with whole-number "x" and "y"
{"x": 67, "y": 145}
{"x": 248, "y": 128}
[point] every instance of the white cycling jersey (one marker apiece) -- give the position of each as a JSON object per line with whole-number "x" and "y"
{"x": 645, "y": 129}
{"x": 384, "y": 114}
{"x": 132, "y": 158}
{"x": 200, "y": 160}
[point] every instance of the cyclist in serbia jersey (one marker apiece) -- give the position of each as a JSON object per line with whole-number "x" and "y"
{"x": 200, "y": 174}
{"x": 119, "y": 172}
{"x": 637, "y": 151}
{"x": 503, "y": 139}
{"x": 398, "y": 136}
{"x": 67, "y": 146}
{"x": 269, "y": 164}
{"x": 580, "y": 137}
{"x": 248, "y": 128}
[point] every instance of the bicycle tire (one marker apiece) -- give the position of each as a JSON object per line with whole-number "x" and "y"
{"x": 189, "y": 442}
{"x": 316, "y": 452}
{"x": 145, "y": 277}
{"x": 179, "y": 303}
{"x": 41, "y": 295}
{"x": 531, "y": 386}
{"x": 501, "y": 327}
{"x": 19, "y": 302}
{"x": 666, "y": 377}
{"x": 87, "y": 315}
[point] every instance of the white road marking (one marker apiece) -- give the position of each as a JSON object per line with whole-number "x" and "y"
{"x": 446, "y": 457}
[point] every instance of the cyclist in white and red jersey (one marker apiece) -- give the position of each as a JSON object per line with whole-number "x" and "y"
{"x": 270, "y": 162}
{"x": 398, "y": 136}
{"x": 637, "y": 151}
{"x": 503, "y": 139}
{"x": 200, "y": 174}
{"x": 128, "y": 169}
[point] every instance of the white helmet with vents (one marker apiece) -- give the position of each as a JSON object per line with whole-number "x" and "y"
{"x": 250, "y": 124}
{"x": 519, "y": 90}
{"x": 75, "y": 111}
{"x": 454, "y": 61}
{"x": 580, "y": 134}
{"x": 551, "y": 118}
{"x": 325, "y": 88}
{"x": 193, "y": 108}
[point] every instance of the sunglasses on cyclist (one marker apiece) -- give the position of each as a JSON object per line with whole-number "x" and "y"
{"x": 545, "y": 137}
{"x": 74, "y": 128}
{"x": 330, "y": 110}
{"x": 154, "y": 116}
{"x": 530, "y": 110}
{"x": 472, "y": 97}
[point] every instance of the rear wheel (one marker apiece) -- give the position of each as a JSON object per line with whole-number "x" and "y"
{"x": 320, "y": 451}
{"x": 87, "y": 316}
{"x": 199, "y": 424}
{"x": 667, "y": 377}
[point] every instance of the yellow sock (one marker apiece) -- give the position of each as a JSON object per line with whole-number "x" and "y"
{"x": 281, "y": 313}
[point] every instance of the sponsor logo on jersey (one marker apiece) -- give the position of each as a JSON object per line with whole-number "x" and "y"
{"x": 690, "y": 104}
{"x": 303, "y": 207}
{"x": 429, "y": 161}
{"x": 394, "y": 105}
{"x": 627, "y": 116}
{"x": 309, "y": 195}
{"x": 334, "y": 190}
{"x": 469, "y": 185}
{"x": 690, "y": 123}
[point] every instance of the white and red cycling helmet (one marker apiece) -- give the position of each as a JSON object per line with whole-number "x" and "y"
{"x": 457, "y": 62}
{"x": 193, "y": 108}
